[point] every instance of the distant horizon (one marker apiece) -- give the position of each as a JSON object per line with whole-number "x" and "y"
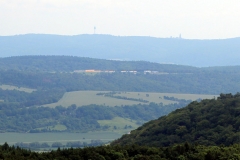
{"x": 171, "y": 37}
{"x": 197, "y": 19}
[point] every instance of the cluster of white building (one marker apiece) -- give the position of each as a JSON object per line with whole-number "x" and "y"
{"x": 111, "y": 71}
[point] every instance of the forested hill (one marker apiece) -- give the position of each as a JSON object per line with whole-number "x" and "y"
{"x": 162, "y": 50}
{"x": 71, "y": 63}
{"x": 55, "y": 72}
{"x": 209, "y": 122}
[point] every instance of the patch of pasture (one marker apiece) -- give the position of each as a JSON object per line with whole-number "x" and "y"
{"x": 10, "y": 87}
{"x": 12, "y": 138}
{"x": 81, "y": 98}
{"x": 58, "y": 127}
{"x": 119, "y": 125}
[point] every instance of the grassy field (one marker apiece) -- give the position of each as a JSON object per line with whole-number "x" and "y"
{"x": 81, "y": 98}
{"x": 12, "y": 138}
{"x": 119, "y": 125}
{"x": 9, "y": 87}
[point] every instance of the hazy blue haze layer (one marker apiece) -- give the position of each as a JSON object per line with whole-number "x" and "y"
{"x": 200, "y": 53}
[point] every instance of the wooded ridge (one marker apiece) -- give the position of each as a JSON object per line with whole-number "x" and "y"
{"x": 209, "y": 122}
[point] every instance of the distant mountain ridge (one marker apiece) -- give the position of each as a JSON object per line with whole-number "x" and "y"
{"x": 72, "y": 63}
{"x": 200, "y": 53}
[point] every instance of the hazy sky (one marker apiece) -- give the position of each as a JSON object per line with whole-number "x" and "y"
{"x": 193, "y": 19}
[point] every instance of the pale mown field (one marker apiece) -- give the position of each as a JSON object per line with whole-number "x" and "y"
{"x": 81, "y": 98}
{"x": 119, "y": 125}
{"x": 12, "y": 138}
{"x": 58, "y": 127}
{"x": 9, "y": 87}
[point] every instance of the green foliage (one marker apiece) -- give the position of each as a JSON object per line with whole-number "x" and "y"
{"x": 179, "y": 152}
{"x": 24, "y": 99}
{"x": 71, "y": 63}
{"x": 209, "y": 122}
{"x": 56, "y": 72}
{"x": 112, "y": 95}
{"x": 73, "y": 118}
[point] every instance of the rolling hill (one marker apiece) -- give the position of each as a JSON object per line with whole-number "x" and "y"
{"x": 74, "y": 63}
{"x": 209, "y": 122}
{"x": 55, "y": 72}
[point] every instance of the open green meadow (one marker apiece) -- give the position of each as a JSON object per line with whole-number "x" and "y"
{"x": 10, "y": 87}
{"x": 58, "y": 127}
{"x": 81, "y": 98}
{"x": 12, "y": 138}
{"x": 119, "y": 125}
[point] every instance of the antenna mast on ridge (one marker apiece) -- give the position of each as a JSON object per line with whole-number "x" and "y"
{"x": 94, "y": 29}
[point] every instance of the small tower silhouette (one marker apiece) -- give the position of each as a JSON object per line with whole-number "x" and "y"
{"x": 94, "y": 29}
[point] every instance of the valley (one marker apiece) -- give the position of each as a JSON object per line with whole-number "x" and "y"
{"x": 48, "y": 98}
{"x": 119, "y": 80}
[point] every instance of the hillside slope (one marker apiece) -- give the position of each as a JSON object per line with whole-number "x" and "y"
{"x": 55, "y": 72}
{"x": 162, "y": 50}
{"x": 209, "y": 122}
{"x": 71, "y": 63}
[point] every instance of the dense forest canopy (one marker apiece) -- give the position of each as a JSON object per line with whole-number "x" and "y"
{"x": 133, "y": 152}
{"x": 209, "y": 122}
